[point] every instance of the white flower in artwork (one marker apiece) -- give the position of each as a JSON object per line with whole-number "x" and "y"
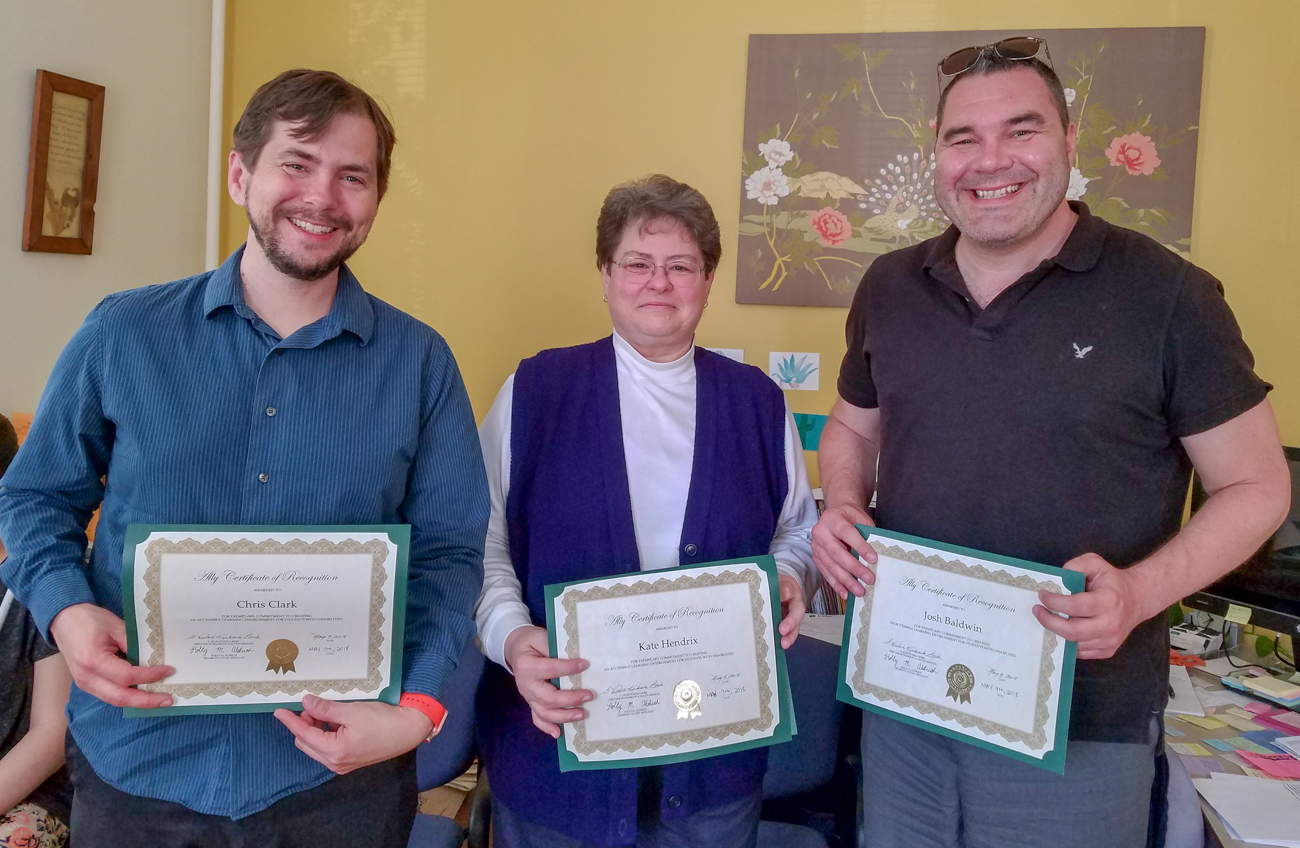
{"x": 777, "y": 152}
{"x": 1078, "y": 185}
{"x": 767, "y": 185}
{"x": 1069, "y": 97}
{"x": 903, "y": 222}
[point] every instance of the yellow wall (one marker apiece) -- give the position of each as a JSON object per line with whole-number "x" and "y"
{"x": 515, "y": 118}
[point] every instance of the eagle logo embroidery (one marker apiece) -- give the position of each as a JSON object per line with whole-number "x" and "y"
{"x": 1080, "y": 353}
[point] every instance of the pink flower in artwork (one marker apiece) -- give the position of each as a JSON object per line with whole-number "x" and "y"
{"x": 832, "y": 226}
{"x": 1135, "y": 152}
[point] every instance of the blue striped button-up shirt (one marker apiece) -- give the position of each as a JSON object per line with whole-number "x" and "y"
{"x": 193, "y": 410}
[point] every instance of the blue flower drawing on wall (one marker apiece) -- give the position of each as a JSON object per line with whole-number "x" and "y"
{"x": 792, "y": 373}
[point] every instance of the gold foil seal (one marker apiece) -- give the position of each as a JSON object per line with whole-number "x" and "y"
{"x": 687, "y": 697}
{"x": 281, "y": 653}
{"x": 961, "y": 680}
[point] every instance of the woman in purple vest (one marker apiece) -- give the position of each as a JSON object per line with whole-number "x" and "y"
{"x": 636, "y": 452}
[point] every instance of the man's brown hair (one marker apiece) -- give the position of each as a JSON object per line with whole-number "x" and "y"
{"x": 656, "y": 198}
{"x": 308, "y": 101}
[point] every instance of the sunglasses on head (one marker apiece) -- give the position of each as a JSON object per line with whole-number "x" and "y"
{"x": 1017, "y": 48}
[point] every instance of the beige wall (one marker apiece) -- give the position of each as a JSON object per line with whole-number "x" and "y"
{"x": 152, "y": 57}
{"x": 514, "y": 119}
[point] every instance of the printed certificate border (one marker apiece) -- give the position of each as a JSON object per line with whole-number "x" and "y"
{"x": 785, "y": 727}
{"x": 137, "y": 534}
{"x": 1054, "y": 759}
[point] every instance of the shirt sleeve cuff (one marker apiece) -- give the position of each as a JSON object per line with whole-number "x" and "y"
{"x": 505, "y": 619}
{"x": 54, "y": 594}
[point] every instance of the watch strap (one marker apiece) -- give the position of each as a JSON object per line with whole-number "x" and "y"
{"x": 436, "y": 712}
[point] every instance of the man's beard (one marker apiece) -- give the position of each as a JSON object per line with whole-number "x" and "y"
{"x": 1048, "y": 189}
{"x": 280, "y": 260}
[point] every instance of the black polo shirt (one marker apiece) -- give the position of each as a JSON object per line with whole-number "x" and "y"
{"x": 1047, "y": 424}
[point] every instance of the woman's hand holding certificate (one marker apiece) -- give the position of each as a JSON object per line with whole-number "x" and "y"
{"x": 680, "y": 664}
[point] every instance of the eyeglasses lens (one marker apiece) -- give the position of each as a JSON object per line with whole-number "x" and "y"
{"x": 1018, "y": 48}
{"x": 960, "y": 61}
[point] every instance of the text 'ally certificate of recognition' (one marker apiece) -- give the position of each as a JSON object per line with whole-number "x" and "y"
{"x": 254, "y": 618}
{"x": 685, "y": 663}
{"x": 945, "y": 640}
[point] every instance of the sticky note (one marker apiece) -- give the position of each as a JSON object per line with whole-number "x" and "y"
{"x": 1207, "y": 722}
{"x": 1220, "y": 744}
{"x": 1237, "y": 613}
{"x": 1241, "y": 743}
{"x": 1173, "y": 731}
{"x": 1201, "y": 766}
{"x": 1238, "y": 722}
{"x": 1258, "y": 708}
{"x": 1238, "y": 711}
{"x": 1275, "y": 765}
{"x": 1191, "y": 750}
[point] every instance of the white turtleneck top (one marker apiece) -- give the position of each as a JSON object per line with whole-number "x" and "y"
{"x": 657, "y": 406}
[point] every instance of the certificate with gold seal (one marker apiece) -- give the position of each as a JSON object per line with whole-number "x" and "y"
{"x": 253, "y": 618}
{"x": 946, "y": 640}
{"x": 685, "y": 663}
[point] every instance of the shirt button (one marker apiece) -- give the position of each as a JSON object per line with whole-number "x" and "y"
{"x": 622, "y": 827}
{"x": 691, "y": 550}
{"x": 675, "y": 801}
{"x": 270, "y": 410}
{"x": 263, "y": 477}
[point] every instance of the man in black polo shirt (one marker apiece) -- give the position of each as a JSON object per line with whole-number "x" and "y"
{"x": 1039, "y": 383}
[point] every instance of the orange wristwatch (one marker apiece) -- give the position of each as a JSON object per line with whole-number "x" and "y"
{"x": 436, "y": 712}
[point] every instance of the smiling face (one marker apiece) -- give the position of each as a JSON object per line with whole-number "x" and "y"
{"x": 1002, "y": 161}
{"x": 656, "y": 317}
{"x": 310, "y": 202}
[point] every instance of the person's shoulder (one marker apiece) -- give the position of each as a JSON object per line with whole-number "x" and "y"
{"x": 567, "y": 358}
{"x": 155, "y": 301}
{"x": 729, "y": 370}
{"x": 392, "y": 321}
{"x": 1130, "y": 254}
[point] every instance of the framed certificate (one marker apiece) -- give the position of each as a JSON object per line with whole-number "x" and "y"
{"x": 686, "y": 663}
{"x": 253, "y": 618}
{"x": 945, "y": 640}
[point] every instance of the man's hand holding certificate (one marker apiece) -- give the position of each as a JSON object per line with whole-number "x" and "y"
{"x": 682, "y": 663}
{"x": 946, "y": 639}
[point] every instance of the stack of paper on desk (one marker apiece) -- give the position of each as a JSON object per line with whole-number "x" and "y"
{"x": 1182, "y": 700}
{"x": 1265, "y": 812}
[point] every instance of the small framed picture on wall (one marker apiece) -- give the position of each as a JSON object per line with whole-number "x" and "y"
{"x": 63, "y": 165}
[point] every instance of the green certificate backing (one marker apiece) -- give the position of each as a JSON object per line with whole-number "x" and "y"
{"x": 1054, "y": 760}
{"x": 136, "y": 534}
{"x": 785, "y": 728}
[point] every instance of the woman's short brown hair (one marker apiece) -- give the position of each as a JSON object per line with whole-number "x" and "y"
{"x": 309, "y": 101}
{"x": 656, "y": 198}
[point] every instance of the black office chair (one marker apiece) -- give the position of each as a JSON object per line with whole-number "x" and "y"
{"x": 448, "y": 756}
{"x": 808, "y": 762}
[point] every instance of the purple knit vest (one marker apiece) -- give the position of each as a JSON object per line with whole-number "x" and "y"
{"x": 569, "y": 515}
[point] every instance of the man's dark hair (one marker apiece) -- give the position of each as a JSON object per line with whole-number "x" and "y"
{"x": 309, "y": 101}
{"x": 657, "y": 198}
{"x": 8, "y": 443}
{"x": 991, "y": 63}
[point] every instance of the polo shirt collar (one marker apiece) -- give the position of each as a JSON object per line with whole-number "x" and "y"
{"x": 1081, "y": 251}
{"x": 351, "y": 311}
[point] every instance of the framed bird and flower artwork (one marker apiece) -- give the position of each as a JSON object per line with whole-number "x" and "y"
{"x": 838, "y": 158}
{"x": 63, "y": 165}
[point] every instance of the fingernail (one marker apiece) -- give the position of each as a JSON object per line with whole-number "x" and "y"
{"x": 583, "y": 665}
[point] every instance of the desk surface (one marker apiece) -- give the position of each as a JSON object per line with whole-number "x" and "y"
{"x": 1193, "y": 734}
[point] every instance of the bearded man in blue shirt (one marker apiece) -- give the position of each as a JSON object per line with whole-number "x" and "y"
{"x": 273, "y": 390}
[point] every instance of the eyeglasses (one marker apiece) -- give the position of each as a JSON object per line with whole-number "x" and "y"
{"x": 1018, "y": 48}
{"x": 678, "y": 271}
